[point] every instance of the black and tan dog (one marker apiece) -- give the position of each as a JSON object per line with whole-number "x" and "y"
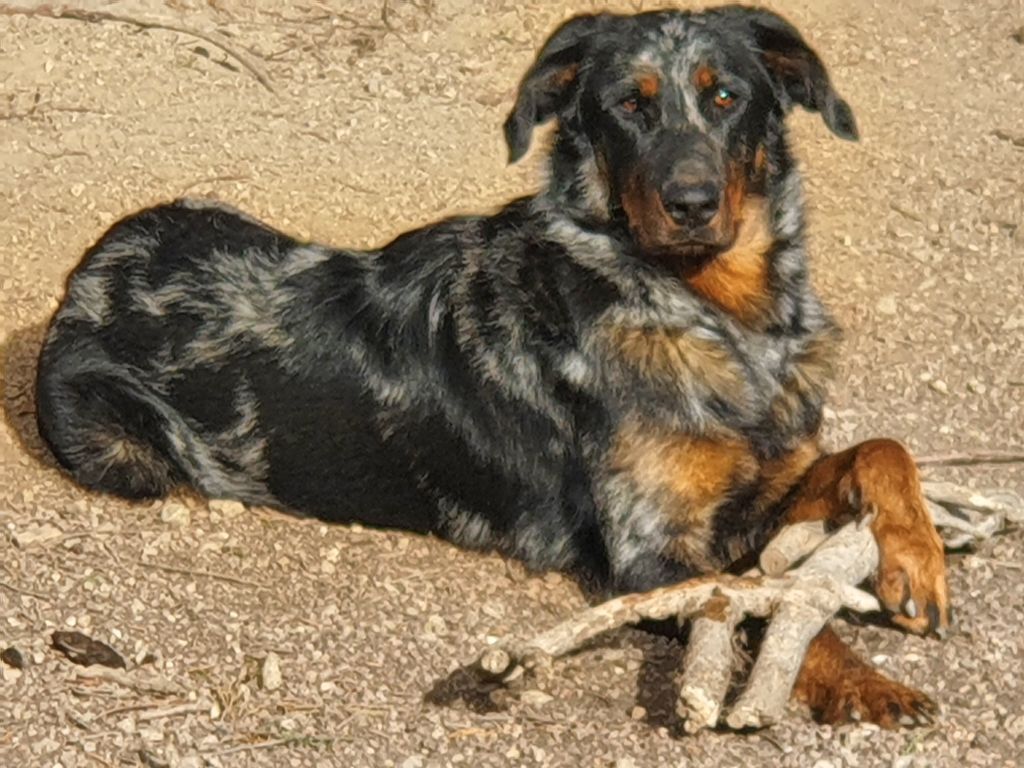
{"x": 621, "y": 376}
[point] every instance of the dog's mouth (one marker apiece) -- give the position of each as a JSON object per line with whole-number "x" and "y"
{"x": 662, "y": 238}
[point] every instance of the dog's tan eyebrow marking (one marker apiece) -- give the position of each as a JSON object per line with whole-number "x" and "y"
{"x": 648, "y": 83}
{"x": 704, "y": 77}
{"x": 562, "y": 77}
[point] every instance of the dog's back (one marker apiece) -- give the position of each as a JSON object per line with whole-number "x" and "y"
{"x": 397, "y": 387}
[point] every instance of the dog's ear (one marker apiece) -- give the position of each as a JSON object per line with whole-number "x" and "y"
{"x": 796, "y": 69}
{"x": 548, "y": 85}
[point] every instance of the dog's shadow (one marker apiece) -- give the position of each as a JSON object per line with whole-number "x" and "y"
{"x": 19, "y": 361}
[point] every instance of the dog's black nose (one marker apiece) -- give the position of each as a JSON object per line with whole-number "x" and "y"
{"x": 691, "y": 204}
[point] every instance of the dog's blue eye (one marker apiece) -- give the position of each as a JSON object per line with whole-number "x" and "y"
{"x": 724, "y": 98}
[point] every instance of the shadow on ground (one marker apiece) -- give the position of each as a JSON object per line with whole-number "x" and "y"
{"x": 19, "y": 358}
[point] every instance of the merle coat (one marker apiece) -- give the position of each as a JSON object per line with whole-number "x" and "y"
{"x": 621, "y": 375}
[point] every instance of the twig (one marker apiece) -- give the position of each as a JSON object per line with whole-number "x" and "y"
{"x": 970, "y": 458}
{"x": 967, "y": 501}
{"x": 202, "y": 574}
{"x": 248, "y": 747}
{"x": 180, "y": 709}
{"x": 755, "y": 596}
{"x": 26, "y": 592}
{"x": 212, "y": 36}
{"x": 151, "y": 683}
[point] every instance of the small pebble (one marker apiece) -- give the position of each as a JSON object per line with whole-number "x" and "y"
{"x": 270, "y": 672}
{"x": 176, "y": 514}
{"x": 887, "y": 305}
{"x": 535, "y": 698}
{"x": 227, "y": 507}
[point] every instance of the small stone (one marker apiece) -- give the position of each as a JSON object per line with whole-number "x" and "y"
{"x": 435, "y": 625}
{"x": 939, "y": 386}
{"x": 270, "y": 672}
{"x": 227, "y": 507}
{"x": 12, "y": 657}
{"x": 413, "y": 761}
{"x": 175, "y": 514}
{"x": 535, "y": 698}
{"x": 887, "y": 305}
{"x": 637, "y": 713}
{"x": 37, "y": 534}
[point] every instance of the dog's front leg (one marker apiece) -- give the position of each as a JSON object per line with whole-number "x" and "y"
{"x": 879, "y": 478}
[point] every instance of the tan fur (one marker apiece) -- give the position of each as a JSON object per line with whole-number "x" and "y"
{"x": 704, "y": 77}
{"x": 649, "y": 84}
{"x": 834, "y": 682}
{"x": 694, "y": 475}
{"x": 668, "y": 354}
{"x": 737, "y": 280}
{"x": 880, "y": 477}
{"x": 779, "y": 476}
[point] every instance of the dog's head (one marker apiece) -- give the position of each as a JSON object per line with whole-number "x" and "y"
{"x": 668, "y": 120}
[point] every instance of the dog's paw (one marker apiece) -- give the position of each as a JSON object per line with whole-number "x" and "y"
{"x": 874, "y": 698}
{"x": 911, "y": 581}
{"x": 911, "y": 578}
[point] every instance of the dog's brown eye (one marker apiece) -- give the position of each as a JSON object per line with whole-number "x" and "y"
{"x": 724, "y": 98}
{"x": 630, "y": 105}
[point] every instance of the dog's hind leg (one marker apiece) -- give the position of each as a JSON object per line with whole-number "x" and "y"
{"x": 106, "y": 430}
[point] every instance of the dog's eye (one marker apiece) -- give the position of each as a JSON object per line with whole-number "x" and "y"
{"x": 630, "y": 105}
{"x": 724, "y": 98}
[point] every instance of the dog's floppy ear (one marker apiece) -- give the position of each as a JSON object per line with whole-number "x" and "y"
{"x": 796, "y": 68}
{"x": 548, "y": 85}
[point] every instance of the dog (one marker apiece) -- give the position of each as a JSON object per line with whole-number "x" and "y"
{"x": 621, "y": 376}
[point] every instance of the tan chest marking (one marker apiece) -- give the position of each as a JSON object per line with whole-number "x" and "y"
{"x": 677, "y": 355}
{"x": 736, "y": 281}
{"x": 690, "y": 476}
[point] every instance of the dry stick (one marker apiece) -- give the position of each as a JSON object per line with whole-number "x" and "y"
{"x": 708, "y": 665}
{"x": 151, "y": 683}
{"x": 849, "y": 558}
{"x": 754, "y": 596}
{"x": 212, "y": 36}
{"x": 1002, "y": 502}
{"x": 180, "y": 709}
{"x": 970, "y": 458}
{"x": 790, "y": 545}
{"x": 247, "y": 747}
{"x": 202, "y": 574}
{"x": 26, "y": 592}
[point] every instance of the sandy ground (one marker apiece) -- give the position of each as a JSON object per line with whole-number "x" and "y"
{"x": 379, "y": 124}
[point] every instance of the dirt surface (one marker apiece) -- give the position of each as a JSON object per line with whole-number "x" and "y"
{"x": 377, "y": 124}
